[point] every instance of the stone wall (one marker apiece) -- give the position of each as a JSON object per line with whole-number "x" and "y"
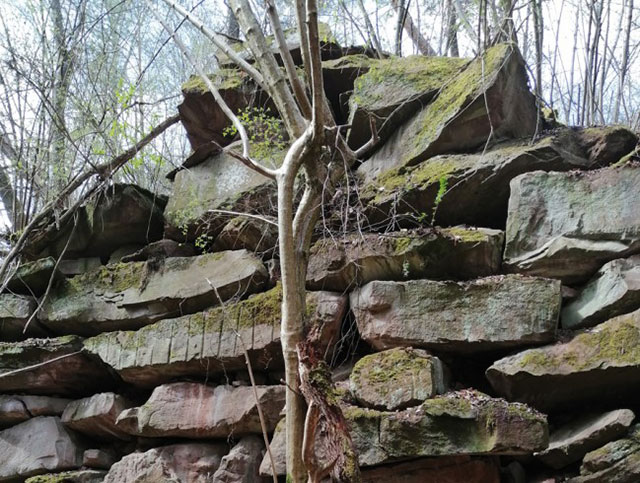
{"x": 478, "y": 299}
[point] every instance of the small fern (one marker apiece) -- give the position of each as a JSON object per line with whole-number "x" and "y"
{"x": 443, "y": 183}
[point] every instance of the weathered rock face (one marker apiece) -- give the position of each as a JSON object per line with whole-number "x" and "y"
{"x": 219, "y": 183}
{"x": 614, "y": 290}
{"x": 102, "y": 459}
{"x": 454, "y": 253}
{"x": 161, "y": 249}
{"x": 178, "y": 463}
{"x": 125, "y": 215}
{"x": 16, "y": 409}
{"x": 96, "y": 416}
{"x": 452, "y": 469}
{"x": 15, "y": 312}
{"x": 465, "y": 422}
{"x": 394, "y": 89}
{"x": 474, "y": 187}
{"x": 397, "y": 378}
{"x": 249, "y": 233}
{"x": 242, "y": 463}
{"x": 566, "y": 225}
{"x": 131, "y": 295}
{"x": 207, "y": 342}
{"x": 606, "y": 145}
{"x": 78, "y": 476}
{"x": 488, "y": 313}
{"x": 191, "y": 410}
{"x": 603, "y": 363}
{"x": 40, "y": 445}
{"x": 572, "y": 441}
{"x": 617, "y": 461}
{"x": 32, "y": 278}
{"x": 67, "y": 372}
{"x": 77, "y": 266}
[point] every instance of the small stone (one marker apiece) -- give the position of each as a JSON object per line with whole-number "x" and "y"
{"x": 242, "y": 463}
{"x": 99, "y": 458}
{"x": 16, "y": 409}
{"x": 96, "y": 416}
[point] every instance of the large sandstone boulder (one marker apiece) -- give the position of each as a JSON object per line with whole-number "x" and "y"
{"x": 96, "y": 416}
{"x": 51, "y": 367}
{"x": 449, "y": 253}
{"x": 459, "y": 423}
{"x": 397, "y": 378}
{"x": 490, "y": 97}
{"x": 191, "y": 410}
{"x": 178, "y": 463}
{"x": 221, "y": 182}
{"x": 392, "y": 90}
{"x": 40, "y": 445}
{"x": 573, "y": 440}
{"x": 484, "y": 314}
{"x": 16, "y": 409}
{"x": 242, "y": 464}
{"x": 566, "y": 225}
{"x": 15, "y": 312}
{"x": 131, "y": 295}
{"x": 614, "y": 290}
{"x": 602, "y": 364}
{"x": 471, "y": 189}
{"x": 211, "y": 342}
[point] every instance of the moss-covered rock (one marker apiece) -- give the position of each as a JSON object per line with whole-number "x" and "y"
{"x": 131, "y": 295}
{"x": 457, "y": 423}
{"x": 211, "y": 342}
{"x": 75, "y": 476}
{"x": 490, "y": 97}
{"x": 397, "y": 378}
{"x": 484, "y": 314}
{"x": 449, "y": 253}
{"x": 600, "y": 364}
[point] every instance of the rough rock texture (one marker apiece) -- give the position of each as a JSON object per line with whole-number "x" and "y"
{"x": 242, "y": 463}
{"x": 221, "y": 182}
{"x": 617, "y": 461}
{"x": 73, "y": 373}
{"x": 191, "y": 410}
{"x": 78, "y": 476}
{"x": 40, "y": 445}
{"x": 131, "y": 295}
{"x": 15, "y": 312}
{"x": 78, "y": 266}
{"x": 614, "y": 290}
{"x": 123, "y": 215}
{"x": 397, "y": 378}
{"x": 339, "y": 76}
{"x": 448, "y": 469}
{"x": 453, "y": 253}
{"x": 487, "y": 313}
{"x": 394, "y": 89}
{"x": 249, "y": 233}
{"x": 96, "y": 416}
{"x": 178, "y": 463}
{"x": 457, "y": 120}
{"x": 15, "y": 409}
{"x": 601, "y": 364}
{"x": 566, "y": 225}
{"x": 32, "y": 278}
{"x": 475, "y": 186}
{"x": 462, "y": 423}
{"x": 606, "y": 145}
{"x": 572, "y": 441}
{"x": 101, "y": 459}
{"x": 161, "y": 249}
{"x": 206, "y": 343}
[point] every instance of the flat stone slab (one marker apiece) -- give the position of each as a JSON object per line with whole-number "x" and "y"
{"x": 614, "y": 290}
{"x": 485, "y": 314}
{"x": 567, "y": 225}
{"x": 572, "y": 441}
{"x": 457, "y": 253}
{"x": 179, "y": 463}
{"x": 602, "y": 364}
{"x": 96, "y": 416}
{"x": 207, "y": 342}
{"x": 191, "y": 410}
{"x": 51, "y": 367}
{"x": 40, "y": 445}
{"x": 16, "y": 409}
{"x": 131, "y": 295}
{"x": 474, "y": 188}
{"x": 15, "y": 312}
{"x": 397, "y": 378}
{"x": 458, "y": 423}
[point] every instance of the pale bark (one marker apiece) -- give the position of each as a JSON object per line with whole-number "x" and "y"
{"x": 625, "y": 63}
{"x": 422, "y": 44}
